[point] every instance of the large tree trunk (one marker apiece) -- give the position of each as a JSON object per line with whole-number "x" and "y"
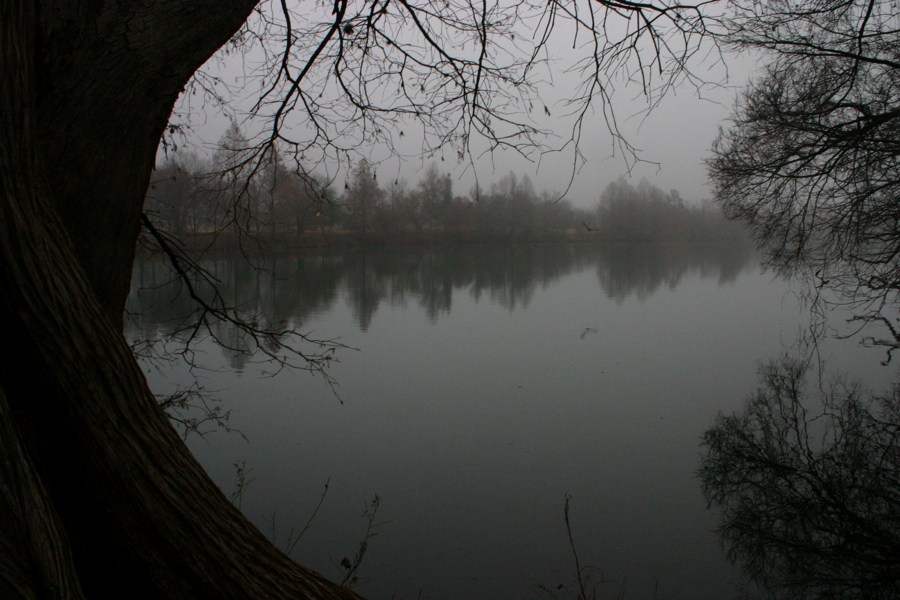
{"x": 106, "y": 75}
{"x": 98, "y": 493}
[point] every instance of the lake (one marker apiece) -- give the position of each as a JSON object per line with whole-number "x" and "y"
{"x": 481, "y": 386}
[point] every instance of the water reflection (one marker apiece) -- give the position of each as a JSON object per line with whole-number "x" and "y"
{"x": 627, "y": 269}
{"x": 286, "y": 289}
{"x": 498, "y": 379}
{"x": 493, "y": 380}
{"x": 808, "y": 487}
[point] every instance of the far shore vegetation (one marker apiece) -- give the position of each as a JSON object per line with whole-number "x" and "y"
{"x": 219, "y": 204}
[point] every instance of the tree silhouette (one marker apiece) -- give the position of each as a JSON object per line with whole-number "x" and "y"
{"x": 808, "y": 487}
{"x": 364, "y": 197}
{"x": 811, "y": 161}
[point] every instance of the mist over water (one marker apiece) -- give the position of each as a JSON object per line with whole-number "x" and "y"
{"x": 485, "y": 384}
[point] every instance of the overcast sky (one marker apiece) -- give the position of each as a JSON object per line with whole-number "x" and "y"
{"x": 677, "y": 134}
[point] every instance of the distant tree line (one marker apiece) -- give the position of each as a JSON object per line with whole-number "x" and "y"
{"x": 266, "y": 198}
{"x": 233, "y": 191}
{"x": 646, "y": 213}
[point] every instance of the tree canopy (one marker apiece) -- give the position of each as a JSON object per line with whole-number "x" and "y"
{"x": 807, "y": 482}
{"x": 812, "y": 160}
{"x": 339, "y": 81}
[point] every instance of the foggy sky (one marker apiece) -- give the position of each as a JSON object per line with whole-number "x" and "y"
{"x": 677, "y": 134}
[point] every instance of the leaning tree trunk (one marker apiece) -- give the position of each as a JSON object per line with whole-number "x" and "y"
{"x": 99, "y": 496}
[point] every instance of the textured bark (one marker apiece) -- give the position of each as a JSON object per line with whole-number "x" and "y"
{"x": 107, "y": 76}
{"x": 89, "y": 461}
{"x": 35, "y": 559}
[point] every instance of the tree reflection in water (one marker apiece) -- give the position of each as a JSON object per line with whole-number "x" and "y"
{"x": 293, "y": 286}
{"x": 808, "y": 486}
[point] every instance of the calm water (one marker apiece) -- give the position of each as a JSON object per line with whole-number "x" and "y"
{"x": 484, "y": 385}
